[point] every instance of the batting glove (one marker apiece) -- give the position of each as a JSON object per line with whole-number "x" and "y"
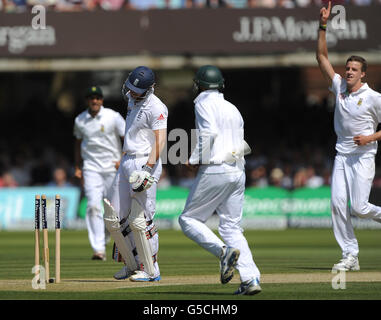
{"x": 141, "y": 180}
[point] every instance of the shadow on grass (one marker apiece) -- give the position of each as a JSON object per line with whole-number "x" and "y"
{"x": 311, "y": 268}
{"x": 92, "y": 281}
{"x": 190, "y": 293}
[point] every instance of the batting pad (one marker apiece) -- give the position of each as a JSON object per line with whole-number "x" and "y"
{"x": 138, "y": 225}
{"x": 113, "y": 226}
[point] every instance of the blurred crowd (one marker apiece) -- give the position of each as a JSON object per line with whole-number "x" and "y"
{"x": 298, "y": 172}
{"x": 34, "y": 165}
{"x": 91, "y": 5}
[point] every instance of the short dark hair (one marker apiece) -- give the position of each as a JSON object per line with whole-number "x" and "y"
{"x": 364, "y": 64}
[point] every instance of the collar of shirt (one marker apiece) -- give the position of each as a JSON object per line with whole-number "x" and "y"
{"x": 206, "y": 93}
{"x": 99, "y": 114}
{"x": 141, "y": 103}
{"x": 363, "y": 88}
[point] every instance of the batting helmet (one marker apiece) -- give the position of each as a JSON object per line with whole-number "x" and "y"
{"x": 140, "y": 79}
{"x": 209, "y": 77}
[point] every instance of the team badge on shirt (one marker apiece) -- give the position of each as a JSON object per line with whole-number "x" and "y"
{"x": 102, "y": 128}
{"x": 360, "y": 102}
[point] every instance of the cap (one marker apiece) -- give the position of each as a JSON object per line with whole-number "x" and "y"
{"x": 94, "y": 90}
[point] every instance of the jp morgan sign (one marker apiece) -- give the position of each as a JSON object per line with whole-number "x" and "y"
{"x": 290, "y": 29}
{"x": 240, "y": 32}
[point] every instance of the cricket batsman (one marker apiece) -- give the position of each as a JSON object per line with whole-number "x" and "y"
{"x": 130, "y": 207}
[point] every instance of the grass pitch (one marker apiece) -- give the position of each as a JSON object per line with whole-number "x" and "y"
{"x": 295, "y": 265}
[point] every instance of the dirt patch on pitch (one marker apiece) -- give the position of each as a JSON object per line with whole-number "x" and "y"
{"x": 91, "y": 285}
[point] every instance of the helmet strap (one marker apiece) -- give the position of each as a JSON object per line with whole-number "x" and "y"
{"x": 145, "y": 95}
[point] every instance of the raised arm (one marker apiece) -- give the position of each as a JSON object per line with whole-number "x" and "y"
{"x": 322, "y": 51}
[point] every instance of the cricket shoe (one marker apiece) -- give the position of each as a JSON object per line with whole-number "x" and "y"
{"x": 99, "y": 256}
{"x": 347, "y": 264}
{"x": 229, "y": 258}
{"x": 142, "y": 276}
{"x": 250, "y": 287}
{"x": 123, "y": 273}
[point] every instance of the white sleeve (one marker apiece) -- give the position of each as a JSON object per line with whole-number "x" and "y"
{"x": 377, "y": 106}
{"x": 337, "y": 83}
{"x": 120, "y": 124}
{"x": 204, "y": 136}
{"x": 76, "y": 131}
{"x": 159, "y": 117}
{"x": 204, "y": 120}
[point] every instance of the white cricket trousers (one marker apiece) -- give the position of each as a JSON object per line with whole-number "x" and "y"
{"x": 96, "y": 187}
{"x": 352, "y": 179}
{"x": 223, "y": 193}
{"x": 121, "y": 195}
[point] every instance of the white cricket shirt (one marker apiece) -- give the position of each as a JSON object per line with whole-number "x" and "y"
{"x": 219, "y": 123}
{"x": 357, "y": 113}
{"x": 142, "y": 118}
{"x": 101, "y": 143}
